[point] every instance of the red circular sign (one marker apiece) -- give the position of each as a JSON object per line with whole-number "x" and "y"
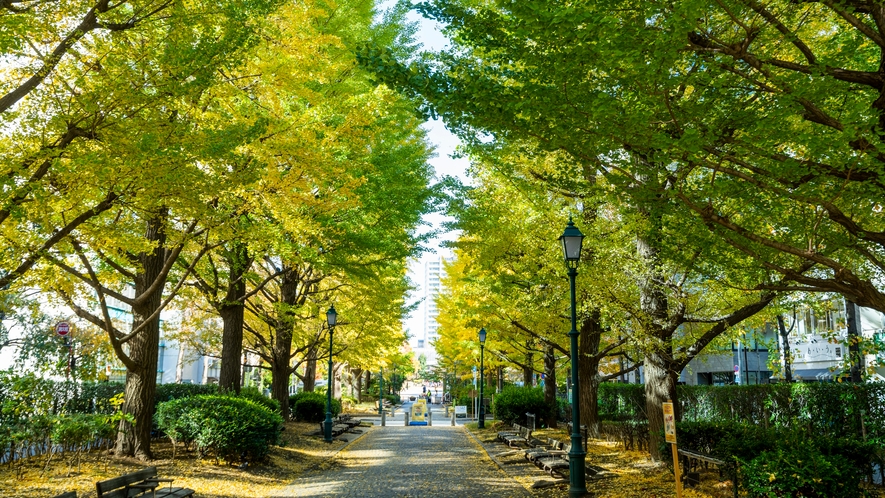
{"x": 62, "y": 328}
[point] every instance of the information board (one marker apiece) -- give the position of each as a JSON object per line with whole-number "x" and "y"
{"x": 669, "y": 423}
{"x": 461, "y": 411}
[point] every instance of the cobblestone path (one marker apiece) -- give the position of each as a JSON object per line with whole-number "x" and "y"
{"x": 393, "y": 462}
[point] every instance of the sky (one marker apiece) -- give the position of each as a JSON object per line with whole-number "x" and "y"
{"x": 445, "y": 143}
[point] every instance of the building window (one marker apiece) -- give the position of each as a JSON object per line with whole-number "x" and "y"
{"x": 723, "y": 378}
{"x": 420, "y": 343}
{"x": 838, "y": 352}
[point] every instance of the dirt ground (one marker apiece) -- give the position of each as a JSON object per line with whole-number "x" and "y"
{"x": 298, "y": 452}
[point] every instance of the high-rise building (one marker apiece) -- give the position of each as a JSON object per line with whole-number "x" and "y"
{"x": 433, "y": 272}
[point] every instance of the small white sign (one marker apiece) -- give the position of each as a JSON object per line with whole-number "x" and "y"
{"x": 461, "y": 411}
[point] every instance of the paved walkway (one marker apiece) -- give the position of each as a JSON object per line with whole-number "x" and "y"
{"x": 391, "y": 462}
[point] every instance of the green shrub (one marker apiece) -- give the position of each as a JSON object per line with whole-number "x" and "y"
{"x": 94, "y": 397}
{"x": 228, "y": 427}
{"x": 513, "y": 402}
{"x": 311, "y": 407}
{"x": 393, "y": 398}
{"x": 253, "y": 394}
{"x": 621, "y": 401}
{"x": 168, "y": 392}
{"x": 801, "y": 472}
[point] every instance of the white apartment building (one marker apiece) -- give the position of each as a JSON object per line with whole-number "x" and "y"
{"x": 434, "y": 271}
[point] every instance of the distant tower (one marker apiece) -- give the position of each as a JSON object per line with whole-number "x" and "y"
{"x": 433, "y": 271}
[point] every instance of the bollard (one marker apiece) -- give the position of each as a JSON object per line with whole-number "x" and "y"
{"x": 429, "y": 418}
{"x": 383, "y": 418}
{"x": 453, "y": 418}
{"x": 406, "y": 415}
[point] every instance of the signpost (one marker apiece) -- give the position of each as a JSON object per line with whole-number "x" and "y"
{"x": 461, "y": 411}
{"x": 670, "y": 437}
{"x": 63, "y": 329}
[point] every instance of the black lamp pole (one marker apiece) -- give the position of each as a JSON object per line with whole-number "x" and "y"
{"x": 331, "y": 318}
{"x": 482, "y": 381}
{"x": 571, "y": 240}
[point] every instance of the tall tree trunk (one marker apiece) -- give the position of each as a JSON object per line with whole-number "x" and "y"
{"x": 499, "y": 376}
{"x": 659, "y": 383}
{"x": 854, "y": 337}
{"x": 528, "y": 373}
{"x": 134, "y": 439}
{"x": 358, "y": 374}
{"x": 179, "y": 364}
{"x": 232, "y": 311}
{"x": 588, "y": 370}
{"x": 281, "y": 350}
{"x": 336, "y": 379}
{"x": 310, "y": 370}
{"x": 785, "y": 339}
{"x": 550, "y": 385}
{"x": 660, "y": 386}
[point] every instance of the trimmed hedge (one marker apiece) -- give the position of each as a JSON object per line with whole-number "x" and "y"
{"x": 832, "y": 409}
{"x": 511, "y": 404}
{"x": 311, "y": 407}
{"x": 254, "y": 394}
{"x": 228, "y": 427}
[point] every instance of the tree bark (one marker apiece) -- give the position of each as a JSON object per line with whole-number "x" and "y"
{"x": 785, "y": 339}
{"x": 528, "y": 373}
{"x": 550, "y": 385}
{"x": 179, "y": 364}
{"x": 232, "y": 316}
{"x": 281, "y": 349}
{"x": 660, "y": 386}
{"x": 310, "y": 370}
{"x": 358, "y": 374}
{"x": 588, "y": 370}
{"x": 134, "y": 439}
{"x": 855, "y": 357}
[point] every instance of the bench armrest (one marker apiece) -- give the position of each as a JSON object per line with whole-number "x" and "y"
{"x": 159, "y": 479}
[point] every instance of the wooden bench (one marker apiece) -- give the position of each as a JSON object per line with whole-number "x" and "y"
{"x": 143, "y": 482}
{"x": 522, "y": 437}
{"x": 690, "y": 461}
{"x": 554, "y": 461}
{"x": 514, "y": 429}
{"x": 337, "y": 429}
{"x": 554, "y": 448}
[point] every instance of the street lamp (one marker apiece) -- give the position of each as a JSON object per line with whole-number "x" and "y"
{"x": 482, "y": 342}
{"x": 331, "y": 318}
{"x": 571, "y": 240}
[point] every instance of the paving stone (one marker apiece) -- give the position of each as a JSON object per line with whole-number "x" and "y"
{"x": 422, "y": 462}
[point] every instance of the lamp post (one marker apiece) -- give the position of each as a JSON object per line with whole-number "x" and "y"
{"x": 381, "y": 391}
{"x": 571, "y": 241}
{"x": 482, "y": 342}
{"x": 331, "y": 318}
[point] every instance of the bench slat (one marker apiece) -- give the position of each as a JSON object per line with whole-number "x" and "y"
{"x": 174, "y": 492}
{"x": 103, "y": 487}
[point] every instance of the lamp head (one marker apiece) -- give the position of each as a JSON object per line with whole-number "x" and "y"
{"x": 331, "y": 316}
{"x": 571, "y": 240}
{"x": 482, "y": 335}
